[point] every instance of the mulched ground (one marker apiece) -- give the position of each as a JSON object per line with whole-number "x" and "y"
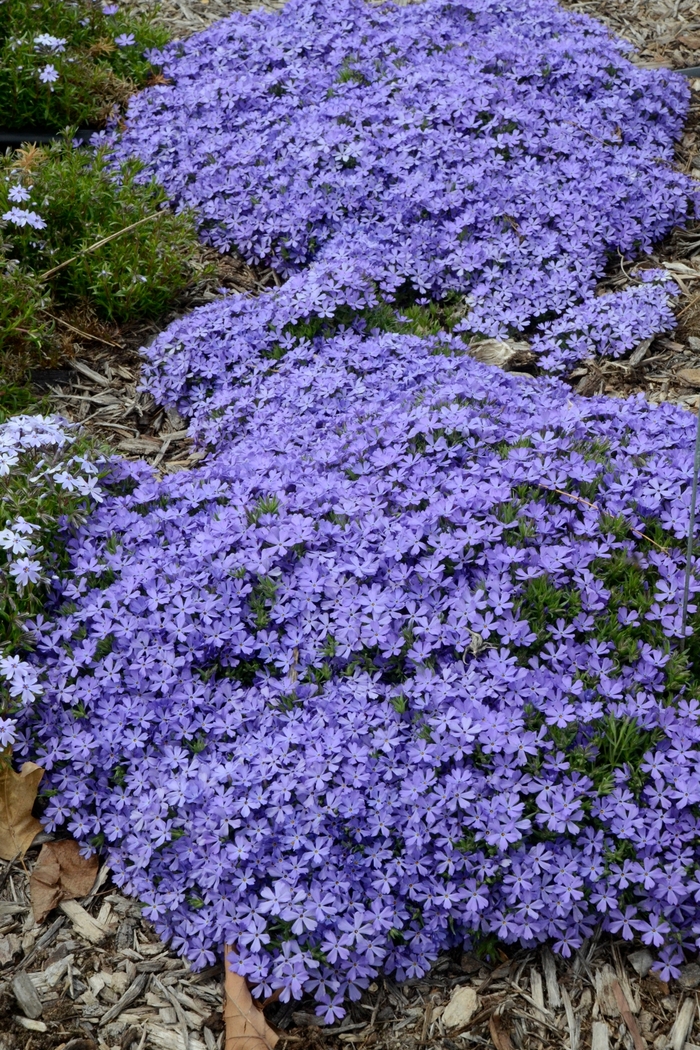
{"x": 103, "y": 978}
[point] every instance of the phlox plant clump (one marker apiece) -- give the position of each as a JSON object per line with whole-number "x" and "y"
{"x": 498, "y": 151}
{"x": 398, "y": 666}
{"x": 48, "y": 484}
{"x": 64, "y": 63}
{"x": 395, "y": 668}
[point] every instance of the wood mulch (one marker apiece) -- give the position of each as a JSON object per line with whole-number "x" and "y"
{"x": 104, "y": 981}
{"x": 97, "y": 381}
{"x": 103, "y": 978}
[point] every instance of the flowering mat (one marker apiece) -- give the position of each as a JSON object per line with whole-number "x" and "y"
{"x": 385, "y": 682}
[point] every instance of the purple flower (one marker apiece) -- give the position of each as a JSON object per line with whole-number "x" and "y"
{"x": 125, "y": 40}
{"x": 49, "y": 74}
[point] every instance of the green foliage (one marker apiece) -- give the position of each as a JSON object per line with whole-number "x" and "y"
{"x": 136, "y": 275}
{"x": 620, "y": 743}
{"x": 94, "y": 73}
{"x": 23, "y": 327}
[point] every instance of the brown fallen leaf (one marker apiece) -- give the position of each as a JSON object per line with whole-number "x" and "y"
{"x": 499, "y": 1035}
{"x": 246, "y": 1027}
{"x": 17, "y": 796}
{"x": 60, "y": 874}
{"x": 690, "y": 40}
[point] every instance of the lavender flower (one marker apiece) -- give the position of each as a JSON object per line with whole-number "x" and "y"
{"x": 349, "y": 678}
{"x": 18, "y": 194}
{"x": 494, "y": 154}
{"x": 49, "y": 74}
{"x": 24, "y": 217}
{"x": 47, "y": 42}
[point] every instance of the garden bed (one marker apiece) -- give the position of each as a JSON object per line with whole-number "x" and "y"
{"x": 521, "y": 998}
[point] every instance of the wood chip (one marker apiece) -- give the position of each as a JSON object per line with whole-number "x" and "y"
{"x": 605, "y": 979}
{"x": 682, "y": 1025}
{"x": 89, "y": 373}
{"x": 461, "y": 1007}
{"x": 503, "y": 353}
{"x": 600, "y": 1036}
{"x": 145, "y": 446}
{"x": 8, "y": 908}
{"x": 640, "y": 352}
{"x": 164, "y": 1037}
{"x": 571, "y": 1020}
{"x": 550, "y": 977}
{"x": 133, "y": 992}
{"x": 537, "y": 990}
{"x": 31, "y": 1025}
{"x": 690, "y": 376}
{"x": 26, "y": 995}
{"x": 83, "y": 922}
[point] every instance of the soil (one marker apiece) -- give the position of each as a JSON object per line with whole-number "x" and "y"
{"x": 121, "y": 988}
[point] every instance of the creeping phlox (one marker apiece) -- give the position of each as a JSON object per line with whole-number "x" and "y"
{"x": 37, "y": 472}
{"x": 397, "y": 666}
{"x": 499, "y": 151}
{"x": 17, "y": 194}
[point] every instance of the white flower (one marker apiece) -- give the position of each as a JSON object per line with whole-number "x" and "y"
{"x": 7, "y": 732}
{"x": 25, "y": 570}
{"x": 56, "y": 44}
{"x": 10, "y": 541}
{"x": 22, "y": 217}
{"x": 18, "y": 194}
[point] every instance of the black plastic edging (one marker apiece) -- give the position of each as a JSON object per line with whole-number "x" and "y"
{"x": 12, "y": 139}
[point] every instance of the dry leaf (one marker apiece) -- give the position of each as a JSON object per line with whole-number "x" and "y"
{"x": 246, "y": 1027}
{"x": 27, "y": 159}
{"x": 17, "y": 796}
{"x": 499, "y": 1035}
{"x": 690, "y": 40}
{"x": 60, "y": 874}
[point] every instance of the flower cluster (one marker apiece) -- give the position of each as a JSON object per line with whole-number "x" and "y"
{"x": 392, "y": 669}
{"x": 611, "y": 325}
{"x": 18, "y": 194}
{"x": 41, "y": 477}
{"x": 67, "y": 64}
{"x": 495, "y": 151}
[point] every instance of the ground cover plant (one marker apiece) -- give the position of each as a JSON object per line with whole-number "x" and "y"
{"x": 57, "y": 202}
{"x": 49, "y": 478}
{"x": 400, "y": 666}
{"x": 370, "y": 683}
{"x": 65, "y": 63}
{"x": 497, "y": 151}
